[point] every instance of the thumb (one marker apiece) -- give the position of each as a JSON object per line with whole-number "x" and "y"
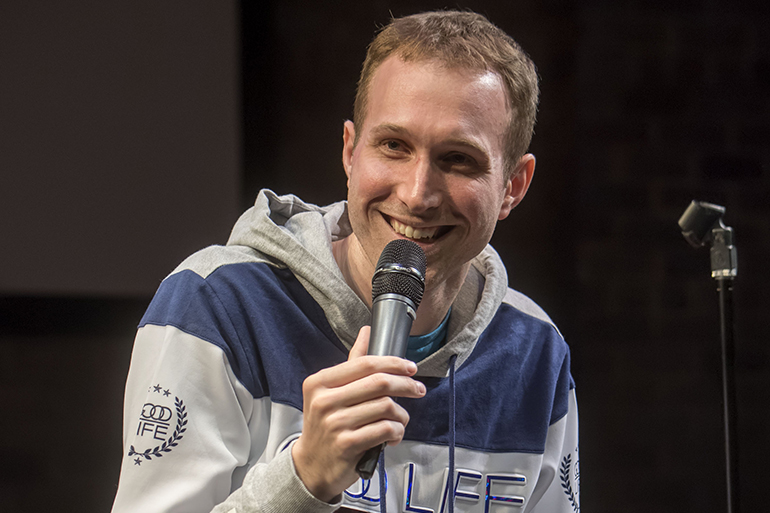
{"x": 362, "y": 343}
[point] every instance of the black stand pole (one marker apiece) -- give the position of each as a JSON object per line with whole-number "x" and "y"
{"x": 702, "y": 223}
{"x": 725, "y": 288}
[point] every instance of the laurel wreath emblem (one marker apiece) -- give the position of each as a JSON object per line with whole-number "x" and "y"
{"x": 566, "y": 482}
{"x": 181, "y": 422}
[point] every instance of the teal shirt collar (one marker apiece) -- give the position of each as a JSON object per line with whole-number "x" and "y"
{"x": 421, "y": 346}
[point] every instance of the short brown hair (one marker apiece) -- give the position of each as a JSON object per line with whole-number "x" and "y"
{"x": 466, "y": 40}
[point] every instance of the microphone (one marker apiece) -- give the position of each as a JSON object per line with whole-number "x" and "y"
{"x": 397, "y": 287}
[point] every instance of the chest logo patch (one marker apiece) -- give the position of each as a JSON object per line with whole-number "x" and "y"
{"x": 156, "y": 421}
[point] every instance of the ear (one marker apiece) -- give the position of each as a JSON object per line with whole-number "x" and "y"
{"x": 348, "y": 146}
{"x": 517, "y": 185}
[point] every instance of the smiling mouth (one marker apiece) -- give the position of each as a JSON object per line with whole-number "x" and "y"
{"x": 419, "y": 234}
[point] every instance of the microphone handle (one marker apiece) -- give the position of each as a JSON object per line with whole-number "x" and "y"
{"x": 368, "y": 461}
{"x": 392, "y": 316}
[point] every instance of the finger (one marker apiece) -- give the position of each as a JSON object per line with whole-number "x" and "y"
{"x": 376, "y": 433}
{"x": 359, "y": 415}
{"x": 375, "y": 386}
{"x": 325, "y": 400}
{"x": 351, "y": 443}
{"x": 361, "y": 367}
{"x": 361, "y": 345}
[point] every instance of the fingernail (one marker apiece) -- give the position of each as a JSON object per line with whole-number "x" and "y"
{"x": 421, "y": 387}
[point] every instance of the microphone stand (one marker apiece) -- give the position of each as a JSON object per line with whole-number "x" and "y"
{"x": 702, "y": 223}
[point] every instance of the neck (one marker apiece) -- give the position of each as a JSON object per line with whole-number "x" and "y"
{"x": 440, "y": 292}
{"x": 438, "y": 298}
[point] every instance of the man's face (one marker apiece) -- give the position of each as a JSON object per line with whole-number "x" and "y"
{"x": 429, "y": 164}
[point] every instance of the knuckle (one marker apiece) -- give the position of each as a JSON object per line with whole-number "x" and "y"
{"x": 322, "y": 403}
{"x": 368, "y": 365}
{"x": 395, "y": 431}
{"x": 346, "y": 442}
{"x": 380, "y": 382}
{"x": 391, "y": 408}
{"x": 340, "y": 420}
{"x": 309, "y": 384}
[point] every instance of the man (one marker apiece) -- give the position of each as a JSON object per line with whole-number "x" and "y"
{"x": 250, "y": 389}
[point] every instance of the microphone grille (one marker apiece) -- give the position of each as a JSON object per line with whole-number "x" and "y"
{"x": 400, "y": 270}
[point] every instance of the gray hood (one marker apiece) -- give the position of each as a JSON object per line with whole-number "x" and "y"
{"x": 288, "y": 232}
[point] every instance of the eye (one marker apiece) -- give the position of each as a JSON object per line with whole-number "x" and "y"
{"x": 392, "y": 145}
{"x": 459, "y": 159}
{"x": 463, "y": 163}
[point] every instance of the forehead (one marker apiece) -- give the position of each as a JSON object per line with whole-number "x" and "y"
{"x": 431, "y": 93}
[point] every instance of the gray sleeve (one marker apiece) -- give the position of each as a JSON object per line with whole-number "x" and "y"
{"x": 274, "y": 488}
{"x": 208, "y": 436}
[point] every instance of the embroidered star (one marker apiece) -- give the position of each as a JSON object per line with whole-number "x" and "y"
{"x": 166, "y": 393}
{"x": 138, "y": 461}
{"x": 157, "y": 388}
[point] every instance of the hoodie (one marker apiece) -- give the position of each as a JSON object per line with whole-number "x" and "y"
{"x": 213, "y": 399}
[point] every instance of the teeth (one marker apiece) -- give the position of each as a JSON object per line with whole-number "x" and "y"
{"x": 411, "y": 232}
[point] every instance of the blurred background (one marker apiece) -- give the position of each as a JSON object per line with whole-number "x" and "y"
{"x": 134, "y": 133}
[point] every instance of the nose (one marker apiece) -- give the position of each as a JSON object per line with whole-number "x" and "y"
{"x": 422, "y": 186}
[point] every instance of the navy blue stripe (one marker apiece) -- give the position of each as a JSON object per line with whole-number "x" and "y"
{"x": 255, "y": 313}
{"x": 513, "y": 386}
{"x": 510, "y": 389}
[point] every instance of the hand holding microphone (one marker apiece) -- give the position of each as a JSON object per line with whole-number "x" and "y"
{"x": 397, "y": 287}
{"x": 344, "y": 412}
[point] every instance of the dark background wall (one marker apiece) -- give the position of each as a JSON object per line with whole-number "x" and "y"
{"x": 645, "y": 105}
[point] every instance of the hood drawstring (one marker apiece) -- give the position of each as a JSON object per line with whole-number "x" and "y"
{"x": 451, "y": 476}
{"x": 383, "y": 482}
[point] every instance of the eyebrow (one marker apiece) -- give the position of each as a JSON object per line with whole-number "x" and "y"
{"x": 390, "y": 128}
